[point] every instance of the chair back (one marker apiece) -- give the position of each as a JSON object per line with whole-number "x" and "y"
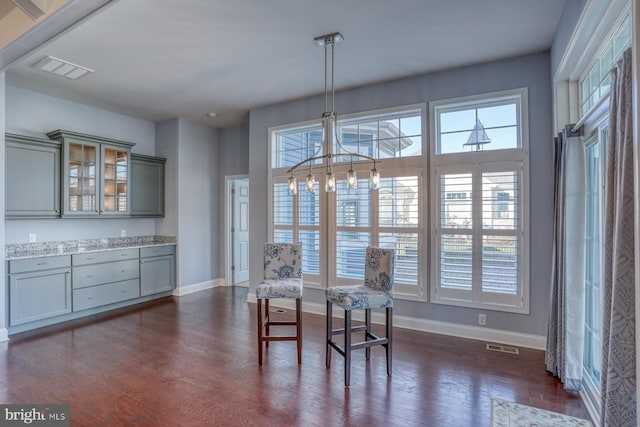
{"x": 282, "y": 260}
{"x": 378, "y": 271}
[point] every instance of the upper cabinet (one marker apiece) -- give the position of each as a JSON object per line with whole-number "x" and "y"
{"x": 32, "y": 175}
{"x": 96, "y": 174}
{"x": 147, "y": 186}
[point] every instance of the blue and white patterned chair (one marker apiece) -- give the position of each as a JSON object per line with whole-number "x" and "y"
{"x": 282, "y": 279}
{"x": 377, "y": 292}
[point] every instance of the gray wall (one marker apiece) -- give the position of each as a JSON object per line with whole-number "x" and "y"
{"x": 568, "y": 20}
{"x": 198, "y": 203}
{"x": 531, "y": 71}
{"x": 35, "y": 114}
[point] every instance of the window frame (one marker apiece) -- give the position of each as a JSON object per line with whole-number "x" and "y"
{"x": 480, "y": 162}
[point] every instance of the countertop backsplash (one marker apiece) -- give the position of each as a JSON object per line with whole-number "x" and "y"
{"x": 68, "y": 247}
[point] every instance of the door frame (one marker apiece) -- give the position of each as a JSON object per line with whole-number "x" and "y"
{"x": 228, "y": 221}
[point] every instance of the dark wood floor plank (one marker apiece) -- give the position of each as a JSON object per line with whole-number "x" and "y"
{"x": 192, "y": 361}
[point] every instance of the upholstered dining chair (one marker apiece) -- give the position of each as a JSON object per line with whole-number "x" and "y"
{"x": 282, "y": 279}
{"x": 376, "y": 292}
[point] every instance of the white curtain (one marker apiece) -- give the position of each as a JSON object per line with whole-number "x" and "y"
{"x": 618, "y": 388}
{"x": 565, "y": 332}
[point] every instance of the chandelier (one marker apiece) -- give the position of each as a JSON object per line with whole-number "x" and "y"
{"x": 329, "y": 136}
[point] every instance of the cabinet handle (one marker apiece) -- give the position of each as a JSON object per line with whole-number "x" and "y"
{"x": 89, "y": 259}
{"x": 123, "y": 271}
{"x": 89, "y": 275}
{"x": 42, "y": 263}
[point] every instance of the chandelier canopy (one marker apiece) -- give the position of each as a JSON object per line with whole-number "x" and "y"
{"x": 330, "y": 137}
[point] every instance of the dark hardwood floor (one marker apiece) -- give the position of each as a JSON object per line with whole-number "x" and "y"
{"x": 192, "y": 361}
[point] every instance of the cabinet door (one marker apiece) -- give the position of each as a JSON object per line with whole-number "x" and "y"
{"x": 39, "y": 295}
{"x": 157, "y": 274}
{"x": 80, "y": 178}
{"x": 32, "y": 175}
{"x": 147, "y": 186}
{"x": 114, "y": 193}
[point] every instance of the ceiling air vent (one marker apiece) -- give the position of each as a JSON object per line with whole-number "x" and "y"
{"x": 61, "y": 68}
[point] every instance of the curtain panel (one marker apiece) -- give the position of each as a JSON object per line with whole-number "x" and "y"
{"x": 618, "y": 388}
{"x": 565, "y": 331}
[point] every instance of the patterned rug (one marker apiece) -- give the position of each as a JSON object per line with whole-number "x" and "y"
{"x": 509, "y": 414}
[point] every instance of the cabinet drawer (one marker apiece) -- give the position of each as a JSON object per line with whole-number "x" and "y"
{"x": 96, "y": 296}
{"x": 98, "y": 274}
{"x": 157, "y": 251}
{"x": 106, "y": 256}
{"x": 35, "y": 264}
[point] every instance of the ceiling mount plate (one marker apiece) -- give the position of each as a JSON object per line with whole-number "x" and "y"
{"x": 329, "y": 39}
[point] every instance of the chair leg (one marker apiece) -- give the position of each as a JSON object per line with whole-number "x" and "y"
{"x": 259, "y": 331}
{"x": 367, "y": 330}
{"x": 267, "y": 320}
{"x": 347, "y": 347}
{"x": 299, "y": 328}
{"x": 389, "y": 322}
{"x": 329, "y": 337}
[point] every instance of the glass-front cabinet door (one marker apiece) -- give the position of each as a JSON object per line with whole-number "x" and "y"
{"x": 80, "y": 179}
{"x": 96, "y": 175}
{"x": 115, "y": 164}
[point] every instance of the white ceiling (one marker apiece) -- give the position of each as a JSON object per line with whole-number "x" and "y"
{"x": 159, "y": 59}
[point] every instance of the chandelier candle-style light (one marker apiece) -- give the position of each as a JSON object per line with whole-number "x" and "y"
{"x": 329, "y": 135}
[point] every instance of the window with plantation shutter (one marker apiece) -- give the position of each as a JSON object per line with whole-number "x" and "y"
{"x": 336, "y": 228}
{"x": 479, "y": 231}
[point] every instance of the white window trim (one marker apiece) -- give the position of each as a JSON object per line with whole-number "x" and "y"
{"x": 462, "y": 162}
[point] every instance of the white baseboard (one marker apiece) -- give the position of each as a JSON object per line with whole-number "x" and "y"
{"x": 4, "y": 334}
{"x": 424, "y": 325}
{"x": 196, "y": 287}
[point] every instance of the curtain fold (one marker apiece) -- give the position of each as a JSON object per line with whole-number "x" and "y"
{"x": 565, "y": 331}
{"x": 618, "y": 387}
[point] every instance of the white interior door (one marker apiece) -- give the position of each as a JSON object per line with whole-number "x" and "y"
{"x": 240, "y": 230}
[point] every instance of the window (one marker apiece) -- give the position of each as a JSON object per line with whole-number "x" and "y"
{"x": 335, "y": 228}
{"x": 595, "y": 83}
{"x": 479, "y": 172}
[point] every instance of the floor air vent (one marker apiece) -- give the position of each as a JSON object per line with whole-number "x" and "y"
{"x": 503, "y": 348}
{"x": 278, "y": 310}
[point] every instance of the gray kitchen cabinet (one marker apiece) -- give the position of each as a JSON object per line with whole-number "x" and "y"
{"x": 96, "y": 174}
{"x": 39, "y": 289}
{"x": 101, "y": 278}
{"x": 147, "y": 186}
{"x": 157, "y": 269}
{"x": 32, "y": 176}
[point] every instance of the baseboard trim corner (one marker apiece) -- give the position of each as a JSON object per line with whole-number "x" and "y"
{"x": 197, "y": 287}
{"x": 4, "y": 334}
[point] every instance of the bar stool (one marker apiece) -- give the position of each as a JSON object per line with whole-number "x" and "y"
{"x": 377, "y": 292}
{"x": 282, "y": 279}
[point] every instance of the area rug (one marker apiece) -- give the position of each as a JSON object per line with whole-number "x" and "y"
{"x": 509, "y": 414}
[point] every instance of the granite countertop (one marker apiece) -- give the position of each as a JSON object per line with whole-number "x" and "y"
{"x": 69, "y": 247}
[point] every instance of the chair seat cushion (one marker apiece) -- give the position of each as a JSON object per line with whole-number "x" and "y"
{"x": 279, "y": 288}
{"x": 358, "y": 297}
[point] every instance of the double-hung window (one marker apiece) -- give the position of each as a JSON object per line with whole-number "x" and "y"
{"x": 335, "y": 228}
{"x": 479, "y": 208}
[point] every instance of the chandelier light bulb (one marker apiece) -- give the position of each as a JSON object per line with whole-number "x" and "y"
{"x": 293, "y": 186}
{"x": 330, "y": 182}
{"x": 311, "y": 183}
{"x": 352, "y": 180}
{"x": 374, "y": 179}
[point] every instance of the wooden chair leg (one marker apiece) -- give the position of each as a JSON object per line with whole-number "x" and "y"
{"x": 329, "y": 337}
{"x": 389, "y": 322}
{"x": 299, "y": 328}
{"x": 259, "y": 331}
{"x": 347, "y": 347}
{"x": 367, "y": 330}
{"x": 267, "y": 320}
